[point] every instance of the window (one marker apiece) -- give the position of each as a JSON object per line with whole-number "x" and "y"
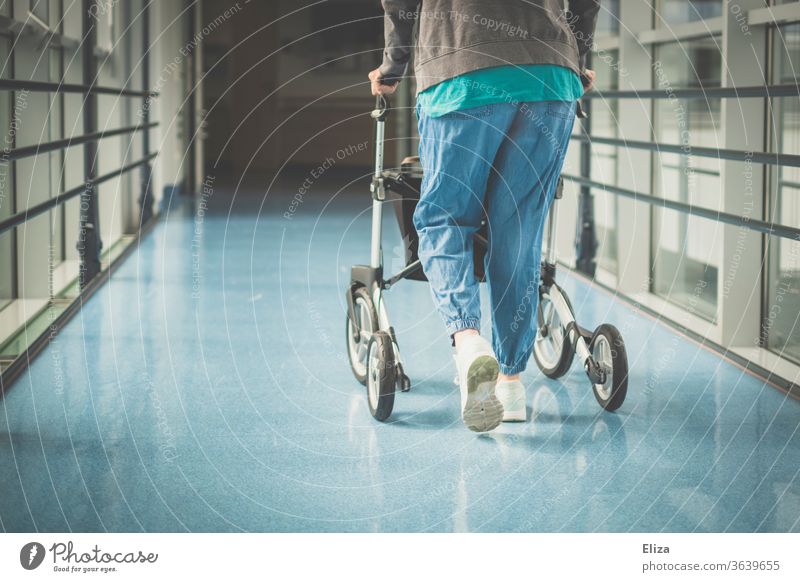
{"x": 7, "y": 240}
{"x": 682, "y": 11}
{"x": 56, "y": 15}
{"x": 40, "y": 9}
{"x": 781, "y": 326}
{"x": 603, "y": 122}
{"x": 608, "y": 18}
{"x": 56, "y": 160}
{"x": 686, "y": 251}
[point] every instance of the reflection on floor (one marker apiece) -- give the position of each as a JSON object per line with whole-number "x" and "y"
{"x": 205, "y": 388}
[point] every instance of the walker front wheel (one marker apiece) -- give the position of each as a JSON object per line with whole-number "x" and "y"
{"x": 381, "y": 375}
{"x": 608, "y": 352}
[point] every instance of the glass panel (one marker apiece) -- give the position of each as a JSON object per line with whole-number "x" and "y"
{"x": 782, "y": 319}
{"x": 686, "y": 252}
{"x": 694, "y": 63}
{"x": 7, "y": 267}
{"x": 40, "y": 9}
{"x": 608, "y": 18}
{"x": 781, "y": 326}
{"x": 686, "y": 260}
{"x": 56, "y": 15}
{"x": 786, "y": 117}
{"x": 56, "y": 161}
{"x": 682, "y": 11}
{"x": 603, "y": 122}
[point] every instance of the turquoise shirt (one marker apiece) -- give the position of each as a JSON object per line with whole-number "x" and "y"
{"x": 507, "y": 83}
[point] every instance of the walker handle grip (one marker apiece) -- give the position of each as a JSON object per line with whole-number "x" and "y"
{"x": 382, "y": 106}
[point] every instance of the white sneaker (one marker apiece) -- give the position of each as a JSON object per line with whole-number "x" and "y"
{"x": 511, "y": 394}
{"x": 477, "y": 375}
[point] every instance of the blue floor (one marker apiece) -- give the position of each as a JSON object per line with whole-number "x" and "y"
{"x": 206, "y": 388}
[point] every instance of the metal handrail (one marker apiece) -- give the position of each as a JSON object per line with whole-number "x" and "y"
{"x": 769, "y": 228}
{"x": 767, "y": 158}
{"x": 43, "y": 148}
{"x": 750, "y": 92}
{"x": 50, "y": 87}
{"x": 29, "y": 213}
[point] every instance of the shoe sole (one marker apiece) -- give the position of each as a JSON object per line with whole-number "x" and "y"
{"x": 482, "y": 411}
{"x": 515, "y": 416}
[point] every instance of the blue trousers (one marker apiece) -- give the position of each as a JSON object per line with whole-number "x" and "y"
{"x": 501, "y": 161}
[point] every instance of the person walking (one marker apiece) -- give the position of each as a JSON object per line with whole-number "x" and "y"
{"x": 497, "y": 89}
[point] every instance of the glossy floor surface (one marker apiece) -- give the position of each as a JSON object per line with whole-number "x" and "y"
{"x": 205, "y": 387}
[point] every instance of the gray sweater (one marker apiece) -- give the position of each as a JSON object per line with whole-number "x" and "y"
{"x": 459, "y": 36}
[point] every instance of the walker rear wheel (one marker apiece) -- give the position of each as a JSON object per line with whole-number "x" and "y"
{"x": 366, "y": 323}
{"x": 552, "y": 349}
{"x": 608, "y": 351}
{"x": 381, "y": 372}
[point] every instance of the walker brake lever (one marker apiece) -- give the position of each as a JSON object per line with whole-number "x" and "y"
{"x": 579, "y": 112}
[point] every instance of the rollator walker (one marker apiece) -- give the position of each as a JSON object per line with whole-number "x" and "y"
{"x": 371, "y": 340}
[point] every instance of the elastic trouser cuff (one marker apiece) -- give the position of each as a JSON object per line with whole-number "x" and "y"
{"x": 460, "y": 324}
{"x": 513, "y": 370}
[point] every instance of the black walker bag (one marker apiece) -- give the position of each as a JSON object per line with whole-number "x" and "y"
{"x": 403, "y": 191}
